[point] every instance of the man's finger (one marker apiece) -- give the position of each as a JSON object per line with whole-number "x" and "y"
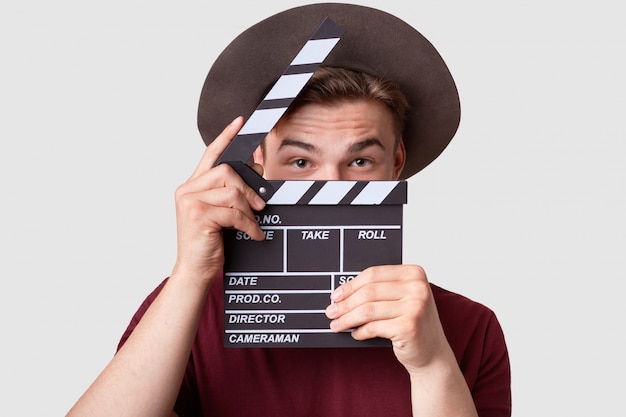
{"x": 218, "y": 146}
{"x": 223, "y": 177}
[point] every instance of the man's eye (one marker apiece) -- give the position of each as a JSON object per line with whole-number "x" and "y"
{"x": 300, "y": 163}
{"x": 360, "y": 162}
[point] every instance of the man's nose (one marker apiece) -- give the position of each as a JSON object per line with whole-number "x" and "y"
{"x": 330, "y": 173}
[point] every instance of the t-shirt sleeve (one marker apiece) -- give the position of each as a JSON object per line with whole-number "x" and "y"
{"x": 477, "y": 339}
{"x": 185, "y": 405}
{"x": 492, "y": 388}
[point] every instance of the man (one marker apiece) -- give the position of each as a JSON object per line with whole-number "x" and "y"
{"x": 448, "y": 356}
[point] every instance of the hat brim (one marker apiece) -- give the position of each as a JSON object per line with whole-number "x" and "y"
{"x": 375, "y": 41}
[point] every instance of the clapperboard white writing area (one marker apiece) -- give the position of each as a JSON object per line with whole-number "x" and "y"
{"x": 319, "y": 234}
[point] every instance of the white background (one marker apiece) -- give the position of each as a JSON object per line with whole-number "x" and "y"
{"x": 523, "y": 212}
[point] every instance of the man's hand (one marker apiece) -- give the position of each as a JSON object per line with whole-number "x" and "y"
{"x": 393, "y": 302}
{"x": 211, "y": 199}
{"x": 144, "y": 377}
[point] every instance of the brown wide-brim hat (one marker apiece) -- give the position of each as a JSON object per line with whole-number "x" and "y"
{"x": 375, "y": 42}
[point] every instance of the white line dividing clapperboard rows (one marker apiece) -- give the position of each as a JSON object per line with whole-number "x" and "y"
{"x": 319, "y": 235}
{"x": 284, "y": 91}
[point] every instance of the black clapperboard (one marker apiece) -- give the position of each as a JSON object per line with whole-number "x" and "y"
{"x": 319, "y": 234}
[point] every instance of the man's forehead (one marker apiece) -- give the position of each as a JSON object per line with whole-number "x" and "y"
{"x": 345, "y": 111}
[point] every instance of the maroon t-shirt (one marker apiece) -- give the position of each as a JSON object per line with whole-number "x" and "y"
{"x": 333, "y": 382}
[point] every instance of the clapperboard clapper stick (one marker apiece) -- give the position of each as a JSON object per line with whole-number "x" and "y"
{"x": 276, "y": 102}
{"x": 318, "y": 234}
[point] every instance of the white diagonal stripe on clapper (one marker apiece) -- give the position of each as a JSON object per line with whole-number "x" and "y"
{"x": 314, "y": 51}
{"x": 288, "y": 86}
{"x": 332, "y": 192}
{"x": 374, "y": 192}
{"x": 290, "y": 192}
{"x": 262, "y": 121}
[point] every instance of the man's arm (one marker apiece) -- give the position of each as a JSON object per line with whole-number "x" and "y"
{"x": 395, "y": 302}
{"x": 144, "y": 377}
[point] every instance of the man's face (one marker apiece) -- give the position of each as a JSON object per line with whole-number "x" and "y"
{"x": 345, "y": 141}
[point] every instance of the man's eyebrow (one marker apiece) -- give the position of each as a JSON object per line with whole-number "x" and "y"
{"x": 296, "y": 143}
{"x": 352, "y": 148}
{"x": 364, "y": 144}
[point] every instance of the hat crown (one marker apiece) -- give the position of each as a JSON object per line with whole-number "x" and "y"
{"x": 375, "y": 42}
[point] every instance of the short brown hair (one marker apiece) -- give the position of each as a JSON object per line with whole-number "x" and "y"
{"x": 333, "y": 84}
